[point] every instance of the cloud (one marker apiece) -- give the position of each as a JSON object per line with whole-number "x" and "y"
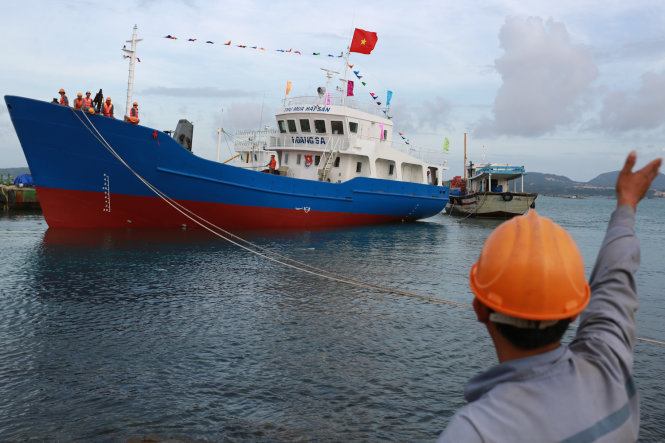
{"x": 434, "y": 113}
{"x": 545, "y": 79}
{"x": 204, "y": 91}
{"x": 640, "y": 109}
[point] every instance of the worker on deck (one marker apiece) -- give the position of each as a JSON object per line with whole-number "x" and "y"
{"x": 529, "y": 286}
{"x": 273, "y": 164}
{"x": 78, "y": 102}
{"x": 134, "y": 114}
{"x": 87, "y": 103}
{"x": 107, "y": 108}
{"x": 63, "y": 98}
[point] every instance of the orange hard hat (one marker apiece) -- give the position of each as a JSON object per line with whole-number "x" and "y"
{"x": 79, "y": 95}
{"x": 108, "y": 99}
{"x": 61, "y": 90}
{"x": 135, "y": 104}
{"x": 530, "y": 268}
{"x": 91, "y": 110}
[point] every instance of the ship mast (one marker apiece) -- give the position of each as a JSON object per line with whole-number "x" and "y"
{"x": 132, "y": 62}
{"x": 220, "y": 131}
{"x": 465, "y": 157}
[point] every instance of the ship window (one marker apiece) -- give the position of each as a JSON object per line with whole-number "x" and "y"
{"x": 337, "y": 162}
{"x": 255, "y": 158}
{"x": 282, "y": 126}
{"x": 292, "y": 125}
{"x": 359, "y": 166}
{"x": 304, "y": 125}
{"x": 337, "y": 127}
{"x": 298, "y": 159}
{"x": 317, "y": 160}
{"x": 286, "y": 158}
{"x": 353, "y": 127}
{"x": 391, "y": 169}
{"x": 320, "y": 126}
{"x": 385, "y": 134}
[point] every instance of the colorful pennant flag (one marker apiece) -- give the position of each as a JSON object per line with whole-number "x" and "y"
{"x": 227, "y": 44}
{"x": 349, "y": 88}
{"x": 446, "y": 145}
{"x": 288, "y": 87}
{"x": 381, "y": 128}
{"x": 389, "y": 94}
{"x": 363, "y": 41}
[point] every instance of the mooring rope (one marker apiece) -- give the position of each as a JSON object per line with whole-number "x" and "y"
{"x": 261, "y": 251}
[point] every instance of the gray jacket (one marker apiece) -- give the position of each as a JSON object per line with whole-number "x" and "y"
{"x": 577, "y": 393}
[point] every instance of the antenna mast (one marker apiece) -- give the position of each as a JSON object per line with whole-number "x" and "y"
{"x": 132, "y": 62}
{"x": 220, "y": 130}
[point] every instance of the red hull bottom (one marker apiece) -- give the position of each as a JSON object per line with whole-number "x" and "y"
{"x": 83, "y": 209}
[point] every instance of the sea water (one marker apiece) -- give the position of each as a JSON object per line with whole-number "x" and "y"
{"x": 111, "y": 334}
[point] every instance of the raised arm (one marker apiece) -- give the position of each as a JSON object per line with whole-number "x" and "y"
{"x": 609, "y": 320}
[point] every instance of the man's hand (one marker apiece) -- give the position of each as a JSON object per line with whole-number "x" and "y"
{"x": 631, "y": 186}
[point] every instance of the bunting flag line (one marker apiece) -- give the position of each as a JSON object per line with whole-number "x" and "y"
{"x": 291, "y": 50}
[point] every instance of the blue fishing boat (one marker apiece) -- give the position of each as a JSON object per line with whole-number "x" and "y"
{"x": 335, "y": 164}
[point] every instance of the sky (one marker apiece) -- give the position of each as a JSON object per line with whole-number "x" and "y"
{"x": 566, "y": 87}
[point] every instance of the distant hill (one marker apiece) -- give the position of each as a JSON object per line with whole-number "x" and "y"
{"x": 602, "y": 185}
{"x": 14, "y": 172}
{"x": 610, "y": 178}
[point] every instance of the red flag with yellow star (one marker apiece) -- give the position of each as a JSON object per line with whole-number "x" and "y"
{"x": 363, "y": 41}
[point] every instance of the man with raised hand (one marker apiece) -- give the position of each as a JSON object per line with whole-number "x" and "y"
{"x": 529, "y": 286}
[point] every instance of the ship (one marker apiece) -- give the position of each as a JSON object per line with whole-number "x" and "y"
{"x": 492, "y": 190}
{"x": 335, "y": 165}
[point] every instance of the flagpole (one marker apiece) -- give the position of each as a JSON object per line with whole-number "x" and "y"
{"x": 465, "y": 157}
{"x": 132, "y": 60}
{"x": 346, "y": 74}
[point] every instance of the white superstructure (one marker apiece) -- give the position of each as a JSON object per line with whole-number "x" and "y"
{"x": 335, "y": 139}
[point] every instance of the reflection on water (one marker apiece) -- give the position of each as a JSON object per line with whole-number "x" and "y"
{"x": 109, "y": 334}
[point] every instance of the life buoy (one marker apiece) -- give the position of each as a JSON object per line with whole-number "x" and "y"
{"x": 507, "y": 197}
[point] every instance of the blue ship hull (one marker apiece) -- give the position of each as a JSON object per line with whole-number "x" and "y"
{"x": 81, "y": 183}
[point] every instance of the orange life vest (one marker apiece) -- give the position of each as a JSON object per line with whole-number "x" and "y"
{"x": 78, "y": 103}
{"x": 134, "y": 112}
{"x": 87, "y": 102}
{"x": 108, "y": 109}
{"x": 64, "y": 100}
{"x": 273, "y": 163}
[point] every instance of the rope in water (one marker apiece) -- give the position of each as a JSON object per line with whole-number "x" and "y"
{"x": 259, "y": 250}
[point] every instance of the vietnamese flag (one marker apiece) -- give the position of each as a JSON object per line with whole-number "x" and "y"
{"x": 363, "y": 41}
